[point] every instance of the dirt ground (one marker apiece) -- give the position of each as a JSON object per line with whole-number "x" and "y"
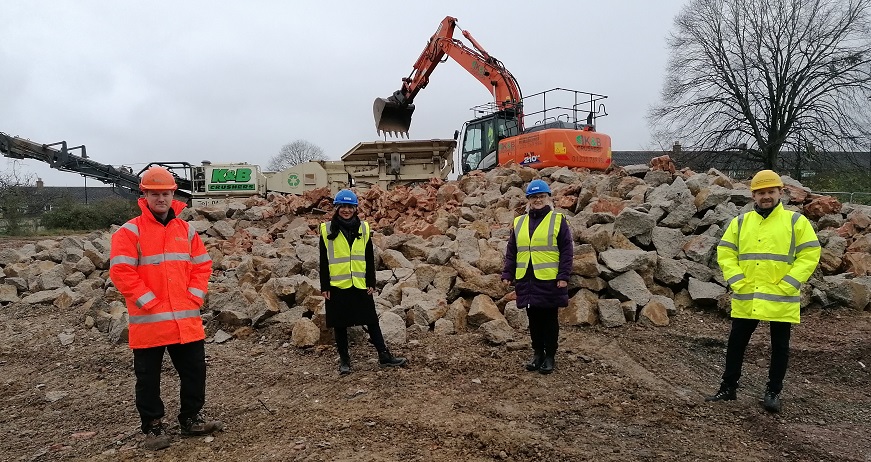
{"x": 624, "y": 394}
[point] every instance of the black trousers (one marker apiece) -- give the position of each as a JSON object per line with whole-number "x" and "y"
{"x": 544, "y": 329}
{"x": 189, "y": 359}
{"x": 376, "y": 338}
{"x": 739, "y": 337}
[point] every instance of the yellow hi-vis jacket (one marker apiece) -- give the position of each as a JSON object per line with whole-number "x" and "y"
{"x": 766, "y": 260}
{"x": 347, "y": 263}
{"x": 540, "y": 248}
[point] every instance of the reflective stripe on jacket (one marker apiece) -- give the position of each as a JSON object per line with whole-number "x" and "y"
{"x": 347, "y": 263}
{"x": 766, "y": 260}
{"x": 163, "y": 273}
{"x": 541, "y": 248}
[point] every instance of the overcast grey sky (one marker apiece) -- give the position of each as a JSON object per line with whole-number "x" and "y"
{"x": 138, "y": 82}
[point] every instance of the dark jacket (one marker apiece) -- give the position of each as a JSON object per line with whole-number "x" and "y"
{"x": 352, "y": 306}
{"x": 532, "y": 292}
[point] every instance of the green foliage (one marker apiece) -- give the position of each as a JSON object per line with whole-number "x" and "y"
{"x": 851, "y": 186}
{"x": 12, "y": 207}
{"x": 75, "y": 216}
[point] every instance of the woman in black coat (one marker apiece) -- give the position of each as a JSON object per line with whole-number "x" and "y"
{"x": 541, "y": 297}
{"x": 352, "y": 306}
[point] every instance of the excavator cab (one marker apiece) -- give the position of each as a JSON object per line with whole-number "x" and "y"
{"x": 481, "y": 139}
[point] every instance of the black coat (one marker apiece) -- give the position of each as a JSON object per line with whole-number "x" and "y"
{"x": 352, "y": 306}
{"x": 533, "y": 292}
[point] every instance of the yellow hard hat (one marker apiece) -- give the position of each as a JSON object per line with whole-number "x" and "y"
{"x": 765, "y": 179}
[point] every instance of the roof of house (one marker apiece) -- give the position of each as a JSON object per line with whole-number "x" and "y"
{"x": 78, "y": 193}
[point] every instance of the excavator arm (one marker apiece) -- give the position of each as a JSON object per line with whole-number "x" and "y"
{"x": 393, "y": 114}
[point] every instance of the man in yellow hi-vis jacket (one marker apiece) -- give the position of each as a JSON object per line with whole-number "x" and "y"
{"x": 766, "y": 255}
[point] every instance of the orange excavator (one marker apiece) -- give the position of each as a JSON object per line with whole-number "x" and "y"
{"x": 564, "y": 133}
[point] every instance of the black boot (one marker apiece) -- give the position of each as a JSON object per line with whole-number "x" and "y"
{"x": 547, "y": 365}
{"x": 344, "y": 364}
{"x": 385, "y": 359}
{"x": 726, "y": 393}
{"x": 535, "y": 362}
{"x": 771, "y": 401}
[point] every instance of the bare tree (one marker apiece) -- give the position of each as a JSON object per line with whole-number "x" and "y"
{"x": 14, "y": 192}
{"x": 748, "y": 78}
{"x": 294, "y": 153}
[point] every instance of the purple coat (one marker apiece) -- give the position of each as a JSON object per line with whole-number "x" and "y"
{"x": 532, "y": 292}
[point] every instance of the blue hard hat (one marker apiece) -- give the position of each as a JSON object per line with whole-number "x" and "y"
{"x": 345, "y": 197}
{"x": 537, "y": 186}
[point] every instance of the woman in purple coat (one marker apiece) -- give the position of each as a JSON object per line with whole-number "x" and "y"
{"x": 539, "y": 261}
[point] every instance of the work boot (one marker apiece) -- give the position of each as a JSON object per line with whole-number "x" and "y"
{"x": 197, "y": 426}
{"x": 771, "y": 401}
{"x": 535, "y": 362}
{"x": 724, "y": 394}
{"x": 344, "y": 364}
{"x": 547, "y": 365}
{"x": 385, "y": 359}
{"x": 155, "y": 436}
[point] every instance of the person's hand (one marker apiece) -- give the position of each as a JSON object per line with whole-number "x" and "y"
{"x": 562, "y": 284}
{"x": 506, "y": 282}
{"x": 370, "y": 290}
{"x": 326, "y": 295}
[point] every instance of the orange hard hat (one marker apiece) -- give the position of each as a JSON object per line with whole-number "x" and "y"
{"x": 766, "y": 179}
{"x": 157, "y": 178}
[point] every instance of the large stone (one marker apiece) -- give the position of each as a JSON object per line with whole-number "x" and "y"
{"x": 483, "y": 310}
{"x": 305, "y": 334}
{"x": 490, "y": 260}
{"x": 710, "y": 197}
{"x": 50, "y": 279}
{"x": 516, "y": 317}
{"x": 457, "y": 314}
{"x": 393, "y": 259}
{"x": 700, "y": 248}
{"x": 582, "y": 310}
{"x": 467, "y": 246}
{"x": 669, "y": 272}
{"x": 428, "y": 310}
{"x": 668, "y": 241}
{"x": 8, "y": 293}
{"x": 656, "y": 311}
{"x": 631, "y": 222}
{"x": 821, "y": 206}
{"x": 43, "y": 297}
{"x": 858, "y": 263}
{"x": 621, "y": 260}
{"x": 611, "y": 312}
{"x": 850, "y": 293}
{"x": 701, "y": 291}
{"x": 630, "y": 286}
{"x": 497, "y": 331}
{"x": 393, "y": 328}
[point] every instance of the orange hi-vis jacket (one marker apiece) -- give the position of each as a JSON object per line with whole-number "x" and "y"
{"x": 163, "y": 273}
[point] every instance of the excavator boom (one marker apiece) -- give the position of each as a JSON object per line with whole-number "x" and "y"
{"x": 393, "y": 114}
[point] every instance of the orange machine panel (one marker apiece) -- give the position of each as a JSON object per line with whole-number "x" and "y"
{"x": 558, "y": 148}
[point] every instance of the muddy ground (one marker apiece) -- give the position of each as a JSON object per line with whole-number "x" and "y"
{"x": 624, "y": 394}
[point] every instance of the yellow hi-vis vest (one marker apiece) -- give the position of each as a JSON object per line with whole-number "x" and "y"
{"x": 347, "y": 263}
{"x": 766, "y": 261}
{"x": 541, "y": 248}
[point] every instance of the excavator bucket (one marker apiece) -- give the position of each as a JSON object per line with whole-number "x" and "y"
{"x": 392, "y": 118}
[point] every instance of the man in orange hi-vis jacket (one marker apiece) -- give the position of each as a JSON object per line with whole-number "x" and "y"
{"x": 160, "y": 265}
